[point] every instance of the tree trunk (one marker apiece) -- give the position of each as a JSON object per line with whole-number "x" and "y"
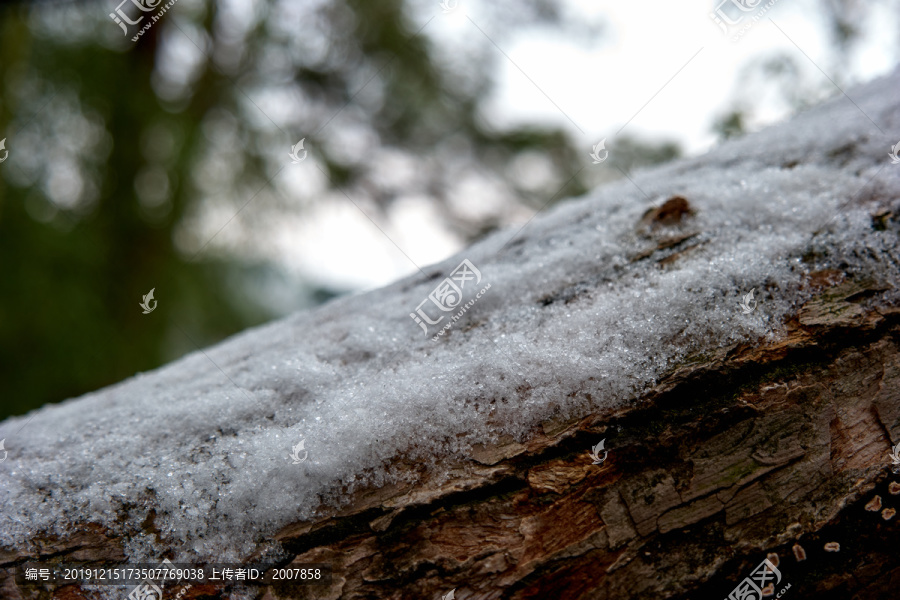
{"x": 776, "y": 447}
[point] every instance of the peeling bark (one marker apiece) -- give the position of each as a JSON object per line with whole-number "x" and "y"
{"x": 776, "y": 450}
{"x": 763, "y": 450}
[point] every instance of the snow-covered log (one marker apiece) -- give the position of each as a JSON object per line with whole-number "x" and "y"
{"x": 726, "y": 325}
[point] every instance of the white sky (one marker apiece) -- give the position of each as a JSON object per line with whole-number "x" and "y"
{"x": 600, "y": 88}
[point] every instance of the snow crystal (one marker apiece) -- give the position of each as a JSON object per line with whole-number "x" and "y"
{"x": 579, "y": 302}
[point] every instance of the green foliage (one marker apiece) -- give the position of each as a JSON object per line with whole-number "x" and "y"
{"x": 111, "y": 169}
{"x": 73, "y": 277}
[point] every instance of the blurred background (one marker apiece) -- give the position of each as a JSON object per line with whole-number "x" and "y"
{"x": 163, "y": 163}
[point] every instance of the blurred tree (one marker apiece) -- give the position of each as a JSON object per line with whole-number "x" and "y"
{"x": 79, "y": 246}
{"x": 787, "y": 82}
{"x": 154, "y": 164}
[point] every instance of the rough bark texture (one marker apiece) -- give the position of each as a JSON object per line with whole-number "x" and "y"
{"x": 778, "y": 450}
{"x": 730, "y": 459}
{"x": 762, "y": 449}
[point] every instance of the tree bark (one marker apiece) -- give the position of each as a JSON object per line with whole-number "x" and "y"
{"x": 731, "y": 458}
{"x": 776, "y": 450}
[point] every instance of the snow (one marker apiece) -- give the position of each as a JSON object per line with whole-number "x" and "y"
{"x": 571, "y": 324}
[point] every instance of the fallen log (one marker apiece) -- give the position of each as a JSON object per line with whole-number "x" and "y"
{"x": 647, "y": 393}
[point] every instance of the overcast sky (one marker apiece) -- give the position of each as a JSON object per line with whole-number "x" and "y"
{"x": 659, "y": 71}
